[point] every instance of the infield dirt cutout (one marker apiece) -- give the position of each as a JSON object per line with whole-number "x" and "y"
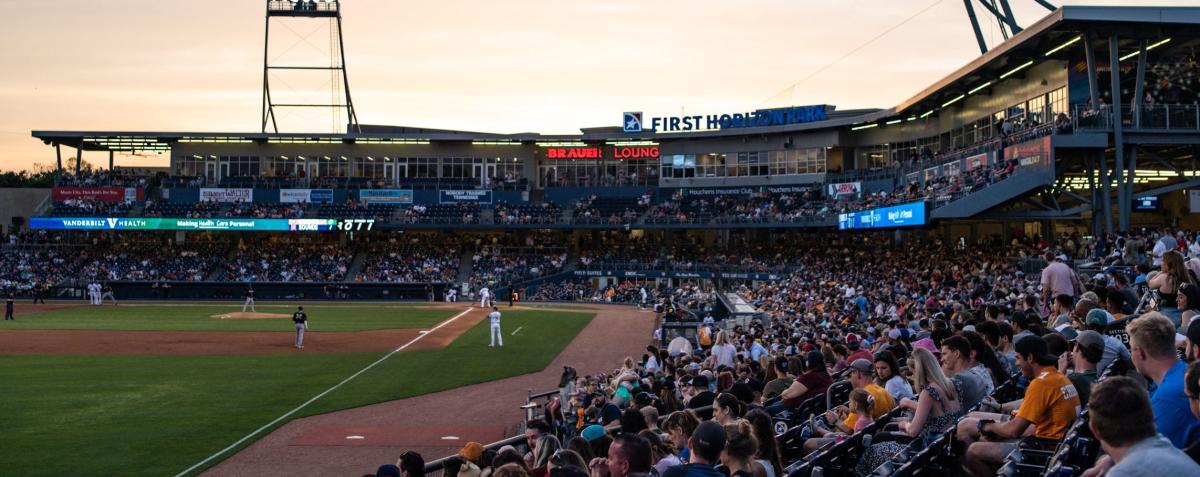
{"x": 241, "y": 315}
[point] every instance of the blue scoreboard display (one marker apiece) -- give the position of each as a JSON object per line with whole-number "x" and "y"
{"x": 904, "y": 215}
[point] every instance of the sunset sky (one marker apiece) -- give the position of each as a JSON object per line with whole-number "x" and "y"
{"x": 550, "y": 66}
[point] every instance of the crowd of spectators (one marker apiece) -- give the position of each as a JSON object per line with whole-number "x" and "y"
{"x": 421, "y": 258}
{"x": 105, "y": 178}
{"x": 544, "y": 213}
{"x": 940, "y": 353}
{"x": 287, "y": 261}
{"x": 155, "y": 260}
{"x": 494, "y": 266}
{"x": 89, "y": 208}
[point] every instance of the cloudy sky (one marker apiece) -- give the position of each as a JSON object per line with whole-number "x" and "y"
{"x": 550, "y": 66}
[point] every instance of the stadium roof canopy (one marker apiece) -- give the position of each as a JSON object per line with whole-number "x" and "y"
{"x": 1053, "y": 38}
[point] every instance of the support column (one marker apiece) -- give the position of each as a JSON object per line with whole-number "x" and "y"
{"x": 1139, "y": 86}
{"x": 58, "y": 158}
{"x": 1089, "y": 165}
{"x": 1105, "y": 193}
{"x": 78, "y": 158}
{"x": 1093, "y": 87}
{"x": 110, "y": 161}
{"x": 1124, "y": 202}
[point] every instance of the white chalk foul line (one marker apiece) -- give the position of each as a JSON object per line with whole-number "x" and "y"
{"x": 514, "y": 333}
{"x": 322, "y": 394}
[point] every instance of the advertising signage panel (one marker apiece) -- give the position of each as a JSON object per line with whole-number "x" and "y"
{"x": 904, "y": 215}
{"x": 227, "y": 224}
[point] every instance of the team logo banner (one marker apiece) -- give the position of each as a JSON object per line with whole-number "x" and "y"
{"x": 845, "y": 188}
{"x": 386, "y": 196}
{"x": 126, "y": 223}
{"x": 976, "y": 161}
{"x": 226, "y": 195}
{"x": 103, "y": 194}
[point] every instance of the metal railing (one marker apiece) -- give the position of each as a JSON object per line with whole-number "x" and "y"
{"x": 1171, "y": 117}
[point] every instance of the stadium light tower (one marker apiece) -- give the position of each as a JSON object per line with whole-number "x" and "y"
{"x": 1004, "y": 17}
{"x": 284, "y": 10}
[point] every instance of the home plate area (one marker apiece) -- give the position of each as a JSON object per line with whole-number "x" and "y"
{"x": 400, "y": 436}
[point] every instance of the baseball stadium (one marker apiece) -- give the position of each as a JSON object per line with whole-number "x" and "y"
{"x": 997, "y": 276}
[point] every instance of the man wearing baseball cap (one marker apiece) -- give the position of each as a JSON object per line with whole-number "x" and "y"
{"x": 1083, "y": 358}
{"x": 854, "y": 344}
{"x": 1114, "y": 349}
{"x": 1051, "y": 404}
{"x": 861, "y": 376}
{"x": 706, "y": 445}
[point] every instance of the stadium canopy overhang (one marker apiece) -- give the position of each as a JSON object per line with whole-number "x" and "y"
{"x": 1053, "y": 38}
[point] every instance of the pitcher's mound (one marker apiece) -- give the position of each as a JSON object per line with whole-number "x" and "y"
{"x": 238, "y": 315}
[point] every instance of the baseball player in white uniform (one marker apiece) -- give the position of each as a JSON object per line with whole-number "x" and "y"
{"x": 485, "y": 297}
{"x": 497, "y": 336}
{"x": 94, "y": 293}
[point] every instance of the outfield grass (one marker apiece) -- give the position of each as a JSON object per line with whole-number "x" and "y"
{"x": 199, "y": 318}
{"x": 158, "y": 415}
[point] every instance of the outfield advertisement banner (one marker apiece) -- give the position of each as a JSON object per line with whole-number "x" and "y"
{"x": 385, "y": 196}
{"x": 309, "y": 196}
{"x": 102, "y": 194}
{"x": 845, "y": 188}
{"x": 896, "y": 216}
{"x": 473, "y": 196}
{"x": 270, "y": 225}
{"x": 226, "y": 195}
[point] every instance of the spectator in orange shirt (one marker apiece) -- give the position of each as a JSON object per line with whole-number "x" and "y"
{"x": 1050, "y": 406}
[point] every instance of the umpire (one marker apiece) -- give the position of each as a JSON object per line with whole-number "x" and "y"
{"x": 8, "y": 307}
{"x": 301, "y": 321}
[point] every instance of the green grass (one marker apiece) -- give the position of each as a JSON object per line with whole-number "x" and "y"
{"x": 199, "y": 318}
{"x": 158, "y": 415}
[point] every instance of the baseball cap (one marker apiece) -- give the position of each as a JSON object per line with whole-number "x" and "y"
{"x": 862, "y": 366}
{"x": 1036, "y": 347}
{"x": 387, "y": 470}
{"x": 709, "y": 438}
{"x": 1089, "y": 338}
{"x": 781, "y": 363}
{"x": 1193, "y": 332}
{"x": 593, "y": 432}
{"x": 1097, "y": 317}
{"x": 852, "y": 340}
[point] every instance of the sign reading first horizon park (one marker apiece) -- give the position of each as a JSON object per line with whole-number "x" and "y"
{"x": 227, "y": 224}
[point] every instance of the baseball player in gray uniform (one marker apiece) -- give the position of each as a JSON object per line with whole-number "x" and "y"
{"x": 301, "y": 321}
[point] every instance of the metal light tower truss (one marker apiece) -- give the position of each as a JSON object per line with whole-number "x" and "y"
{"x": 284, "y": 10}
{"x": 1003, "y": 13}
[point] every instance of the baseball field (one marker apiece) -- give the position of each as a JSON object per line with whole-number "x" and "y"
{"x": 165, "y": 389}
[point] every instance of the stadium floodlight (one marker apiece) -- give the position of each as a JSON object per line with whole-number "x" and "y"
{"x": 912, "y": 118}
{"x": 1015, "y": 70}
{"x": 1148, "y": 48}
{"x": 1064, "y": 45}
{"x": 865, "y": 126}
{"x": 495, "y": 143}
{"x": 562, "y": 144}
{"x": 927, "y": 113}
{"x": 955, "y": 100}
{"x": 977, "y": 88}
{"x": 894, "y": 121}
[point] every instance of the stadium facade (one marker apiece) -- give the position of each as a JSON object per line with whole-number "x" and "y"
{"x": 1025, "y": 133}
